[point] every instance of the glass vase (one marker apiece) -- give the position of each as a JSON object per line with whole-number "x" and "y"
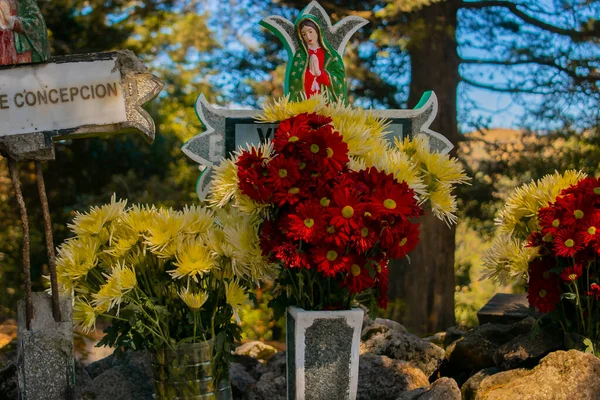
{"x": 188, "y": 372}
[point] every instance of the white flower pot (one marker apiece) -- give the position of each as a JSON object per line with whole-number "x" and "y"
{"x": 322, "y": 354}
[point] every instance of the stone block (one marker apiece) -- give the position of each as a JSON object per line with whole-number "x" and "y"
{"x": 505, "y": 308}
{"x": 45, "y": 361}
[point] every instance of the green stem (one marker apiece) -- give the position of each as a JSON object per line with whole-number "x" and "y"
{"x": 579, "y": 306}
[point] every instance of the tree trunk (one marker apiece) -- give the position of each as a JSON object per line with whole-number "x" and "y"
{"x": 422, "y": 291}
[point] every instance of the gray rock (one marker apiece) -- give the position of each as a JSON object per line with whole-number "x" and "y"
{"x": 120, "y": 383}
{"x": 398, "y": 344}
{"x": 272, "y": 386}
{"x": 251, "y": 365}
{"x": 256, "y": 349}
{"x": 471, "y": 386}
{"x": 382, "y": 378}
{"x": 98, "y": 367}
{"x": 442, "y": 389}
{"x": 437, "y": 339}
{"x": 526, "y": 351}
{"x": 453, "y": 334}
{"x": 475, "y": 351}
{"x": 242, "y": 382}
{"x": 277, "y": 363}
{"x": 559, "y": 376}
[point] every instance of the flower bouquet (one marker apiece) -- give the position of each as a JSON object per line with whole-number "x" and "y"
{"x": 337, "y": 201}
{"x": 551, "y": 239}
{"x": 169, "y": 282}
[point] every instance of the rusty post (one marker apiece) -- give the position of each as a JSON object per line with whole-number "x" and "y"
{"x": 49, "y": 240}
{"x": 16, "y": 182}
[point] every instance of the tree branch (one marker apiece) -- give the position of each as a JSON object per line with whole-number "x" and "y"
{"x": 501, "y": 89}
{"x": 514, "y": 9}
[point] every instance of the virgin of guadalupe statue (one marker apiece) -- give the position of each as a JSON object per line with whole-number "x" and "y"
{"x": 23, "y": 33}
{"x": 316, "y": 66}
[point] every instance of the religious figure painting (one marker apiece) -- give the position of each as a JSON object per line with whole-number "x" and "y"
{"x": 316, "y": 67}
{"x": 23, "y": 33}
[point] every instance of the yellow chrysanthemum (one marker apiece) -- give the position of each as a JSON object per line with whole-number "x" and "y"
{"x": 194, "y": 259}
{"x": 283, "y": 108}
{"x": 519, "y": 216}
{"x": 235, "y": 296}
{"x": 224, "y": 185}
{"x": 197, "y": 220}
{"x": 163, "y": 235}
{"x": 138, "y": 218}
{"x": 194, "y": 301}
{"x": 443, "y": 204}
{"x": 508, "y": 260}
{"x": 119, "y": 282}
{"x": 84, "y": 314}
{"x": 76, "y": 257}
{"x": 93, "y": 222}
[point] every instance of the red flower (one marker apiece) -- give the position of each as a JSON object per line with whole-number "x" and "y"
{"x": 544, "y": 291}
{"x": 334, "y": 237}
{"x": 291, "y": 134}
{"x": 291, "y": 256}
{"x": 396, "y": 199}
{"x": 316, "y": 121}
{"x": 359, "y": 278}
{"x": 305, "y": 223}
{"x": 270, "y": 237}
{"x": 365, "y": 238}
{"x": 330, "y": 260}
{"x": 398, "y": 246}
{"x": 290, "y": 196}
{"x": 571, "y": 274}
{"x": 566, "y": 243}
{"x": 283, "y": 172}
{"x": 594, "y": 291}
{"x": 590, "y": 230}
{"x": 345, "y": 210}
{"x": 315, "y": 149}
{"x": 576, "y": 209}
{"x": 337, "y": 152}
{"x": 550, "y": 219}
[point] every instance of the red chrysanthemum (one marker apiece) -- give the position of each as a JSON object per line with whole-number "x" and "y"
{"x": 360, "y": 276}
{"x": 365, "y": 237}
{"x": 316, "y": 121}
{"x": 283, "y": 172}
{"x": 544, "y": 290}
{"x": 291, "y": 256}
{"x": 576, "y": 209}
{"x": 334, "y": 237}
{"x": 571, "y": 274}
{"x": 550, "y": 219}
{"x": 337, "y": 152}
{"x": 315, "y": 148}
{"x": 345, "y": 210}
{"x": 396, "y": 199}
{"x": 330, "y": 260}
{"x": 590, "y": 230}
{"x": 270, "y": 237}
{"x": 567, "y": 243}
{"x": 402, "y": 244}
{"x": 290, "y": 196}
{"x": 594, "y": 291}
{"x": 305, "y": 223}
{"x": 291, "y": 135}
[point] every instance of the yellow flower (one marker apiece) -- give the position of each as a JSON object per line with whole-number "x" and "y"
{"x": 508, "y": 260}
{"x": 121, "y": 281}
{"x": 235, "y": 296}
{"x": 84, "y": 315}
{"x": 284, "y": 108}
{"x": 224, "y": 185}
{"x": 194, "y": 301}
{"x": 197, "y": 220}
{"x": 519, "y": 216}
{"x": 194, "y": 259}
{"x": 138, "y": 218}
{"x": 443, "y": 204}
{"x": 163, "y": 234}
{"x": 93, "y": 222}
{"x": 77, "y": 256}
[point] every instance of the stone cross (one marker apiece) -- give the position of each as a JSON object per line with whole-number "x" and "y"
{"x": 226, "y": 130}
{"x": 43, "y": 100}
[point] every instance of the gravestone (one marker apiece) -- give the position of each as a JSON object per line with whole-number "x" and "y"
{"x": 505, "y": 308}
{"x": 227, "y": 130}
